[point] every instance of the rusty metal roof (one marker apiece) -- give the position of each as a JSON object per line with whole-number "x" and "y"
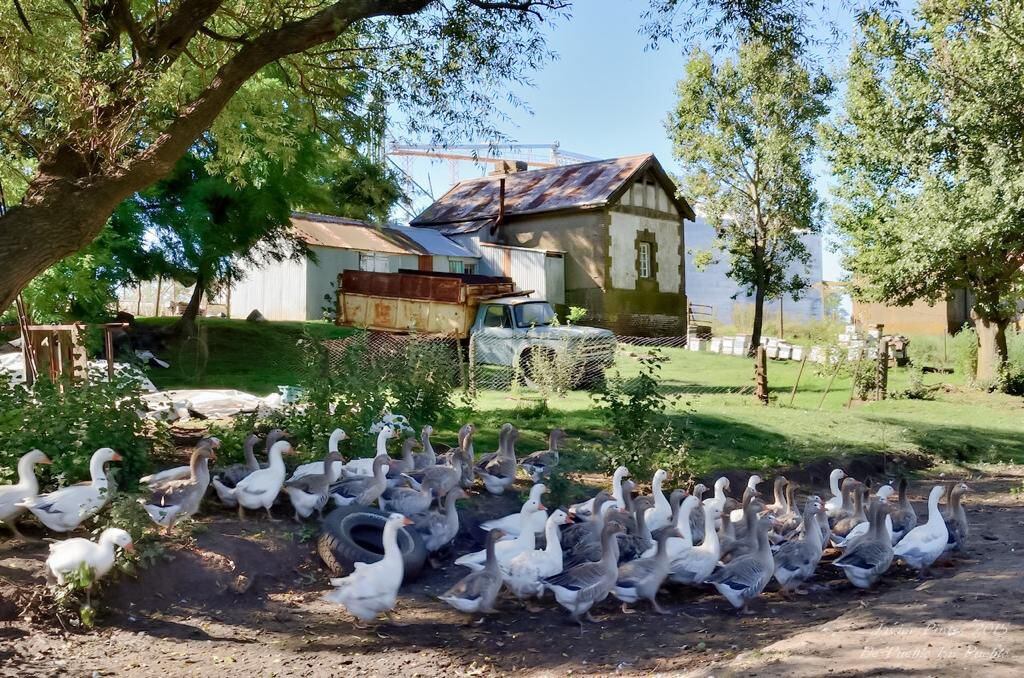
{"x": 473, "y": 204}
{"x": 321, "y": 230}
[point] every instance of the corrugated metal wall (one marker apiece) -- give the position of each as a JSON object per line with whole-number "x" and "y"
{"x": 530, "y": 269}
{"x": 276, "y": 288}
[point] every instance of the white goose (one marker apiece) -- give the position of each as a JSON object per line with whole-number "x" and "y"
{"x": 373, "y": 587}
{"x": 681, "y": 542}
{"x": 259, "y": 489}
{"x": 835, "y": 502}
{"x": 750, "y": 490}
{"x": 26, "y": 488}
{"x": 513, "y": 523}
{"x": 660, "y": 514}
{"x": 67, "y": 556}
{"x": 523, "y": 573}
{"x": 169, "y": 475}
{"x": 66, "y": 508}
{"x": 506, "y": 550}
{"x": 925, "y": 543}
{"x": 717, "y": 502}
{"x": 585, "y": 509}
{"x": 364, "y": 466}
{"x": 317, "y": 467}
{"x": 694, "y": 565}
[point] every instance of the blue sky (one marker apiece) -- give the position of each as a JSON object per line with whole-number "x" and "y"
{"x": 605, "y": 95}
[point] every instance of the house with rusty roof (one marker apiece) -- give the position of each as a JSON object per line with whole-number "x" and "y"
{"x": 606, "y": 235}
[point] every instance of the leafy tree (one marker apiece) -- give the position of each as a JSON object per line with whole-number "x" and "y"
{"x": 929, "y": 155}
{"x": 744, "y": 131}
{"x": 103, "y": 98}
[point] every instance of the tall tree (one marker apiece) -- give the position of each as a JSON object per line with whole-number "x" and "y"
{"x": 929, "y": 156}
{"x": 744, "y": 131}
{"x": 102, "y": 98}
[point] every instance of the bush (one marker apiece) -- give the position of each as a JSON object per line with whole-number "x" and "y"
{"x": 71, "y": 423}
{"x": 1011, "y": 378}
{"x": 963, "y": 351}
{"x": 915, "y": 390}
{"x": 634, "y": 408}
{"x": 355, "y": 383}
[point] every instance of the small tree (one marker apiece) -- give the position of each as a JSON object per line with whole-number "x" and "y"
{"x": 745, "y": 133}
{"x": 930, "y": 160}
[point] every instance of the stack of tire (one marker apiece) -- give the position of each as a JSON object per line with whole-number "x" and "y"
{"x": 354, "y": 534}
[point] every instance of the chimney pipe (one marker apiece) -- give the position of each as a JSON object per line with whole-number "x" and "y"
{"x": 501, "y": 206}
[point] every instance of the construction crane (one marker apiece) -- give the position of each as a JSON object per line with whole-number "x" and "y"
{"x": 534, "y": 155}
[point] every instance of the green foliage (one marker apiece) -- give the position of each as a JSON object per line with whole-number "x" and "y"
{"x": 635, "y": 409}
{"x": 351, "y": 384}
{"x": 744, "y": 129}
{"x": 928, "y": 156}
{"x": 70, "y": 424}
{"x": 915, "y": 389}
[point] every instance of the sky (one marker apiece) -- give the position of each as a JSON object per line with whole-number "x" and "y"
{"x": 605, "y": 95}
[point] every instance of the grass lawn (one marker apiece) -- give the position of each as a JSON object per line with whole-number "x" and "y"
{"x": 729, "y": 429}
{"x": 253, "y": 357}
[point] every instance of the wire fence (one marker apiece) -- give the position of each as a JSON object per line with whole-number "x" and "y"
{"x": 547, "y": 364}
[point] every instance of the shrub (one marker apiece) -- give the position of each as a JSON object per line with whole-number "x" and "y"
{"x": 72, "y": 422}
{"x": 353, "y": 383}
{"x": 634, "y": 408}
{"x": 915, "y": 390}
{"x": 963, "y": 351}
{"x": 1011, "y": 378}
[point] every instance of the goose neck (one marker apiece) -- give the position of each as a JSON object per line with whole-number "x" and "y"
{"x": 27, "y": 475}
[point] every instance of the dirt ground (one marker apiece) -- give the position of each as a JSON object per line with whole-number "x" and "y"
{"x": 245, "y": 601}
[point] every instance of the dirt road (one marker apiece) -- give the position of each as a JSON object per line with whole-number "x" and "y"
{"x": 246, "y": 601}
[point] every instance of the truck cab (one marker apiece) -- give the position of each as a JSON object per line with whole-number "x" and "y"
{"x": 510, "y": 331}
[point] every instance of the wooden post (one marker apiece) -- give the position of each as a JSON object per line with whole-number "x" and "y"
{"x": 472, "y": 365}
{"x": 799, "y": 374}
{"x": 856, "y": 375}
{"x": 159, "y": 289}
{"x": 108, "y": 345}
{"x": 828, "y": 387}
{"x": 882, "y": 377}
{"x": 761, "y": 374}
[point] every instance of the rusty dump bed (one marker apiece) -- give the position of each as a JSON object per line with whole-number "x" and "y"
{"x": 416, "y": 301}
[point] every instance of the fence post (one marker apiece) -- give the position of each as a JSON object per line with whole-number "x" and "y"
{"x": 799, "y": 374}
{"x": 882, "y": 380}
{"x": 828, "y": 387}
{"x": 472, "y": 365}
{"x": 856, "y": 375}
{"x": 761, "y": 374}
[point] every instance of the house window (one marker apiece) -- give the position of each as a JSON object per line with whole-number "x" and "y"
{"x": 645, "y": 259}
{"x": 469, "y": 269}
{"x": 455, "y": 266}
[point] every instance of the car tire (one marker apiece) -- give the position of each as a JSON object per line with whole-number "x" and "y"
{"x": 353, "y": 534}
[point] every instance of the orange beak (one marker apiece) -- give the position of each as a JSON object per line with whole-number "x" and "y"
{"x": 406, "y": 521}
{"x": 568, "y": 518}
{"x": 130, "y": 548}
{"x": 45, "y": 460}
{"x": 541, "y": 507}
{"x": 116, "y": 457}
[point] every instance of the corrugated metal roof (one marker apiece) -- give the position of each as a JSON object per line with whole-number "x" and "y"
{"x": 328, "y": 231}
{"x": 433, "y": 242}
{"x": 473, "y": 204}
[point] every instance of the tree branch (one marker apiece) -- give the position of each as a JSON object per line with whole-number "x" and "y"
{"x": 21, "y": 16}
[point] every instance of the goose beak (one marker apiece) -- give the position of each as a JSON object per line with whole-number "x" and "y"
{"x": 541, "y": 507}
{"x": 569, "y": 518}
{"x": 406, "y": 521}
{"x": 45, "y": 460}
{"x": 116, "y": 457}
{"x": 129, "y": 547}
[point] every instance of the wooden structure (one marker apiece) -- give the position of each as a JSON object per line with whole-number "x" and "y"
{"x": 699, "y": 321}
{"x": 417, "y": 301}
{"x": 58, "y": 351}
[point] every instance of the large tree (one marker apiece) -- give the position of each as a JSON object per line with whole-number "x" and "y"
{"x": 744, "y": 131}
{"x": 929, "y": 156}
{"x": 103, "y": 97}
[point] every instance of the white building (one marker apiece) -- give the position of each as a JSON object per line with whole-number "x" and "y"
{"x": 713, "y": 287}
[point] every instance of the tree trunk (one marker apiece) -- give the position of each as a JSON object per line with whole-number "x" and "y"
{"x": 755, "y": 331}
{"x": 187, "y": 325}
{"x": 992, "y": 351}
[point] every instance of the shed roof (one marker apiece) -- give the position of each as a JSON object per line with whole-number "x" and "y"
{"x": 322, "y": 230}
{"x": 473, "y": 203}
{"x": 432, "y": 242}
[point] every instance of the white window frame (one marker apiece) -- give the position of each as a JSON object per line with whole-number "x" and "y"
{"x": 456, "y": 266}
{"x": 644, "y": 259}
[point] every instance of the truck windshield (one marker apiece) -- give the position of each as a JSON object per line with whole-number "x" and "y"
{"x": 529, "y": 315}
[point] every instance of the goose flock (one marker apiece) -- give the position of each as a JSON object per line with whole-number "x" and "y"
{"x": 616, "y": 543}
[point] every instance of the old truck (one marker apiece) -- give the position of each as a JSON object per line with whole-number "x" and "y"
{"x": 499, "y": 324}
